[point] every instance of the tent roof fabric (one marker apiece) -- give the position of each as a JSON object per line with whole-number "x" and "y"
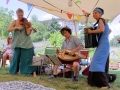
{"x": 110, "y": 8}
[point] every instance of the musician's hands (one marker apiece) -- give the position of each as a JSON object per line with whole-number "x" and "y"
{"x": 19, "y": 28}
{"x": 72, "y": 52}
{"x": 85, "y": 32}
{"x": 30, "y": 28}
{"x": 89, "y": 31}
{"x": 57, "y": 51}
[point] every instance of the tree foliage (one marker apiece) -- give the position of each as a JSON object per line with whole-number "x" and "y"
{"x": 56, "y": 39}
{"x": 41, "y": 33}
{"x": 82, "y": 25}
{"x": 44, "y": 29}
{"x": 5, "y": 20}
{"x": 81, "y": 36}
{"x": 53, "y": 26}
{"x": 114, "y": 42}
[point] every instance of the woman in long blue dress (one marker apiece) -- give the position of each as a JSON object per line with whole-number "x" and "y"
{"x": 97, "y": 76}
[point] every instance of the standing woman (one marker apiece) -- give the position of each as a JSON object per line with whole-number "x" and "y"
{"x": 97, "y": 76}
{"x": 23, "y": 47}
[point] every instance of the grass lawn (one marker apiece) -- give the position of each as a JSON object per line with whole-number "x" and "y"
{"x": 58, "y": 84}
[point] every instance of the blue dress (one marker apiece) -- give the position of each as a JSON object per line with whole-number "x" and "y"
{"x": 101, "y": 53}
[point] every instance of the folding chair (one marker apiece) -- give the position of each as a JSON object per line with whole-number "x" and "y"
{"x": 37, "y": 61}
{"x": 85, "y": 61}
{"x": 50, "y": 51}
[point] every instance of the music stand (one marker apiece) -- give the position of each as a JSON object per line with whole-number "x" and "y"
{"x": 52, "y": 59}
{"x": 46, "y": 59}
{"x": 38, "y": 61}
{"x": 56, "y": 61}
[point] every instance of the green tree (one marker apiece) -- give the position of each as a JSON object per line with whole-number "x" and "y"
{"x": 53, "y": 25}
{"x": 81, "y": 36}
{"x": 44, "y": 29}
{"x": 56, "y": 39}
{"x": 5, "y": 20}
{"x": 114, "y": 42}
{"x": 82, "y": 25}
{"x": 41, "y": 33}
{"x": 34, "y": 18}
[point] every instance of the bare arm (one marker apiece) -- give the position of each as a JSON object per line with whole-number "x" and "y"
{"x": 4, "y": 50}
{"x": 12, "y": 27}
{"x": 29, "y": 30}
{"x": 100, "y": 30}
{"x": 78, "y": 48}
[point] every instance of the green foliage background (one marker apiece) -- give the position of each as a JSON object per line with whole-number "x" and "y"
{"x": 56, "y": 39}
{"x": 5, "y": 20}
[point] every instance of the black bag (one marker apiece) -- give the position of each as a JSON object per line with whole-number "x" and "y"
{"x": 112, "y": 77}
{"x": 91, "y": 40}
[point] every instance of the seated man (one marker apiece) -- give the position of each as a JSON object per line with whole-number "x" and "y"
{"x": 71, "y": 43}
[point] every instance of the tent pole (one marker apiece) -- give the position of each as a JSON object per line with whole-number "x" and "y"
{"x": 75, "y": 27}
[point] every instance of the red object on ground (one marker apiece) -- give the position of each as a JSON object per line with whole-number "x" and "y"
{"x": 85, "y": 53}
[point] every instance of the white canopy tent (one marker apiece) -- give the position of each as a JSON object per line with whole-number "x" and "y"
{"x": 55, "y": 6}
{"x": 73, "y": 12}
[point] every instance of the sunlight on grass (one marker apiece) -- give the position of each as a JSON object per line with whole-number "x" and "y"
{"x": 58, "y": 84}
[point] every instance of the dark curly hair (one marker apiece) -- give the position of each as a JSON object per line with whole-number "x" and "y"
{"x": 66, "y": 29}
